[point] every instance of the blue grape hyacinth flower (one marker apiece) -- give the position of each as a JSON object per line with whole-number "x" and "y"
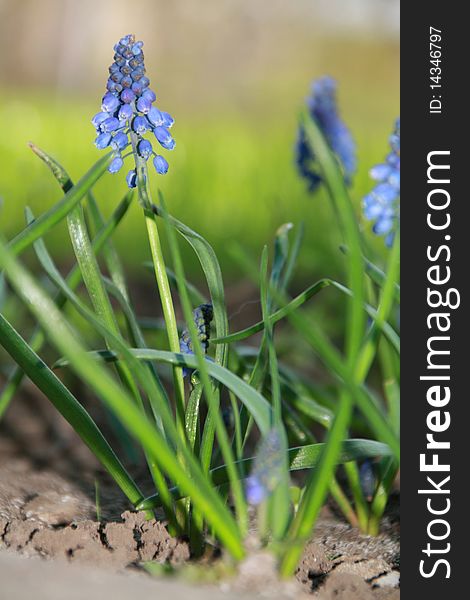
{"x": 382, "y": 204}
{"x": 323, "y": 110}
{"x": 128, "y": 112}
{"x": 267, "y": 468}
{"x": 202, "y": 316}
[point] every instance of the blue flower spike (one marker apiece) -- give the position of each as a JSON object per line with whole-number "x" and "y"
{"x": 323, "y": 110}
{"x": 382, "y": 204}
{"x": 128, "y": 111}
{"x": 202, "y": 316}
{"x": 267, "y": 468}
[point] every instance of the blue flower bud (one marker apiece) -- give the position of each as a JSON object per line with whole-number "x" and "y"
{"x": 126, "y": 81}
{"x": 137, "y": 74}
{"x": 167, "y": 119}
{"x": 164, "y": 137}
{"x": 110, "y": 103}
{"x": 131, "y": 178}
{"x": 127, "y": 96}
{"x": 125, "y": 70}
{"x": 117, "y": 76}
{"x": 144, "y": 104}
{"x": 111, "y": 86}
{"x": 139, "y": 125}
{"x": 137, "y": 48}
{"x": 150, "y": 95}
{"x": 119, "y": 141}
{"x": 145, "y": 81}
{"x": 160, "y": 164}
{"x": 110, "y": 124}
{"x": 137, "y": 88}
{"x": 126, "y": 40}
{"x": 99, "y": 118}
{"x": 103, "y": 140}
{"x": 144, "y": 148}
{"x": 125, "y": 112}
{"x": 155, "y": 116}
{"x": 202, "y": 316}
{"x": 115, "y": 165}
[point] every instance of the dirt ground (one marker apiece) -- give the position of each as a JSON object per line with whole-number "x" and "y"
{"x": 47, "y": 509}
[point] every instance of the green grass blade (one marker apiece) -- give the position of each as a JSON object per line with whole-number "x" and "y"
{"x": 110, "y": 254}
{"x": 299, "y": 458}
{"x": 297, "y": 302}
{"x": 293, "y": 255}
{"x": 73, "y": 280}
{"x": 377, "y": 275}
{"x": 369, "y": 348}
{"x": 194, "y": 485}
{"x": 212, "y": 401}
{"x": 195, "y": 295}
{"x": 333, "y": 360}
{"x": 59, "y": 211}
{"x": 334, "y": 180}
{"x": 68, "y": 406}
{"x": 256, "y": 404}
{"x": 213, "y": 274}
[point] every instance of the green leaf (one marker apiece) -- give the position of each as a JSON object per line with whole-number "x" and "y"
{"x": 376, "y": 274}
{"x": 59, "y": 211}
{"x": 300, "y": 458}
{"x": 68, "y": 406}
{"x": 211, "y": 268}
{"x": 192, "y": 481}
{"x": 73, "y": 280}
{"x": 298, "y": 301}
{"x": 253, "y": 400}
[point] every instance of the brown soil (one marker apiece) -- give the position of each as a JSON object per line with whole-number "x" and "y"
{"x": 47, "y": 508}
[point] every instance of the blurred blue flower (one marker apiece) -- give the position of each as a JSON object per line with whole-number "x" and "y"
{"x": 368, "y": 478}
{"x": 382, "y": 204}
{"x": 202, "y": 316}
{"x": 127, "y": 108}
{"x": 324, "y": 111}
{"x": 267, "y": 468}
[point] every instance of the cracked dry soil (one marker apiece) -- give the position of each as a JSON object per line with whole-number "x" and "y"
{"x": 47, "y": 508}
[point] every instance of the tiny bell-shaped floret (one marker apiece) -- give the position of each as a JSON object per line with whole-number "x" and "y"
{"x": 155, "y": 117}
{"x": 139, "y": 125}
{"x": 120, "y": 141}
{"x": 125, "y": 112}
{"x": 127, "y": 96}
{"x": 144, "y": 105}
{"x": 110, "y": 124}
{"x": 99, "y": 118}
{"x": 144, "y": 149}
{"x": 149, "y": 95}
{"x": 115, "y": 165}
{"x": 167, "y": 119}
{"x": 160, "y": 164}
{"x": 164, "y": 137}
{"x": 103, "y": 140}
{"x": 131, "y": 178}
{"x": 110, "y": 103}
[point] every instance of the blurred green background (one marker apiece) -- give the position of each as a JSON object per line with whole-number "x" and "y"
{"x": 234, "y": 74}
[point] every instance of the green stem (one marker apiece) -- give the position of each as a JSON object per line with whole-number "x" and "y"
{"x": 162, "y": 281}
